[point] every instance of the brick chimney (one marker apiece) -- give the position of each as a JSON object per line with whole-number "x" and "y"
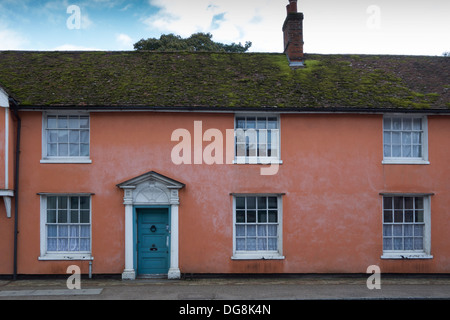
{"x": 293, "y": 35}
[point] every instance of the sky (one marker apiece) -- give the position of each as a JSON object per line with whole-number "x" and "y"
{"x": 405, "y": 27}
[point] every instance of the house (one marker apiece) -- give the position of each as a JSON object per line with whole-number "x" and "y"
{"x": 143, "y": 164}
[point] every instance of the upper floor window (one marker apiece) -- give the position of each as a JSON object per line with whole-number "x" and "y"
{"x": 66, "y": 138}
{"x": 405, "y": 139}
{"x": 257, "y": 139}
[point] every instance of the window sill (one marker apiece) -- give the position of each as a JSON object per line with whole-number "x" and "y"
{"x": 405, "y": 161}
{"x": 406, "y": 256}
{"x": 50, "y": 257}
{"x": 67, "y": 160}
{"x": 257, "y": 256}
{"x": 256, "y": 160}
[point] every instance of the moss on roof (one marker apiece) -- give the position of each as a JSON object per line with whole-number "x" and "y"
{"x": 132, "y": 79}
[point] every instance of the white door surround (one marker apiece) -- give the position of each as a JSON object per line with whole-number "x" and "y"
{"x": 150, "y": 189}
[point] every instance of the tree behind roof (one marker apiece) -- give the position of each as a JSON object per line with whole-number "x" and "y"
{"x": 196, "y": 42}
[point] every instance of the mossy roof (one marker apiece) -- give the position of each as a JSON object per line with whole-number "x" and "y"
{"x": 225, "y": 80}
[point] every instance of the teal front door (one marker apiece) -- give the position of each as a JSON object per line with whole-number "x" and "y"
{"x": 153, "y": 241}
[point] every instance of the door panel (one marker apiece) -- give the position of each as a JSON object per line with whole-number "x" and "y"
{"x": 153, "y": 241}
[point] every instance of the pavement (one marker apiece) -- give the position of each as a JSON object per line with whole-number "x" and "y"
{"x": 264, "y": 288}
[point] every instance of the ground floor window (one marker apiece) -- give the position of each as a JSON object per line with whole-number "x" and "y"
{"x": 257, "y": 226}
{"x": 65, "y": 226}
{"x": 406, "y": 225}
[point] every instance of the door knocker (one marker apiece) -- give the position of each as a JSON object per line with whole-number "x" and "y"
{"x": 153, "y": 228}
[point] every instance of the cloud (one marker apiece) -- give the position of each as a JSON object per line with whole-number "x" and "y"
{"x": 258, "y": 21}
{"x": 125, "y": 41}
{"x": 71, "y": 47}
{"x": 11, "y": 40}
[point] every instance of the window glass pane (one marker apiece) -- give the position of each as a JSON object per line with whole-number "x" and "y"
{"x": 74, "y": 150}
{"x": 51, "y": 216}
{"x": 251, "y": 215}
{"x": 417, "y": 151}
{"x": 52, "y": 136}
{"x": 251, "y": 244}
{"x": 396, "y": 124}
{"x": 409, "y": 202}
{"x": 240, "y": 123}
{"x": 74, "y": 216}
{"x": 398, "y": 243}
{"x": 419, "y": 203}
{"x": 398, "y": 216}
{"x": 418, "y": 243}
{"x": 63, "y": 150}
{"x": 51, "y": 122}
{"x": 63, "y": 136}
{"x": 240, "y": 244}
{"x": 262, "y": 244}
{"x": 52, "y": 150}
{"x": 409, "y": 216}
{"x": 272, "y": 244}
{"x": 240, "y": 216}
{"x": 85, "y": 244}
{"x": 52, "y": 231}
{"x": 387, "y": 151}
{"x": 387, "y": 230}
{"x": 418, "y": 230}
{"x": 84, "y": 136}
{"x": 398, "y": 230}
{"x": 408, "y": 230}
{"x": 272, "y": 202}
{"x": 387, "y": 123}
{"x": 251, "y": 230}
{"x": 262, "y": 216}
{"x": 272, "y": 230}
{"x": 84, "y": 216}
{"x": 396, "y": 138}
{"x": 74, "y": 122}
{"x": 84, "y": 150}
{"x": 396, "y": 151}
{"x": 387, "y": 244}
{"x": 51, "y": 202}
{"x": 387, "y": 216}
{"x": 272, "y": 123}
{"x": 262, "y": 202}
{"x": 261, "y": 123}
{"x": 398, "y": 202}
{"x": 387, "y": 202}
{"x": 240, "y": 203}
{"x": 62, "y": 202}
{"x": 62, "y": 122}
{"x": 84, "y": 122}
{"x": 408, "y": 243}
{"x": 62, "y": 216}
{"x": 419, "y": 216}
{"x": 251, "y": 123}
{"x": 273, "y": 216}
{"x": 407, "y": 124}
{"x": 251, "y": 202}
{"x": 417, "y": 124}
{"x": 74, "y": 136}
{"x": 84, "y": 202}
{"x": 262, "y": 230}
{"x": 240, "y": 230}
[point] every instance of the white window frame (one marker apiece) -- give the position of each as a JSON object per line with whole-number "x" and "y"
{"x": 257, "y": 159}
{"x": 59, "y": 159}
{"x": 424, "y": 145}
{"x": 66, "y": 255}
{"x": 411, "y": 254}
{"x": 262, "y": 254}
